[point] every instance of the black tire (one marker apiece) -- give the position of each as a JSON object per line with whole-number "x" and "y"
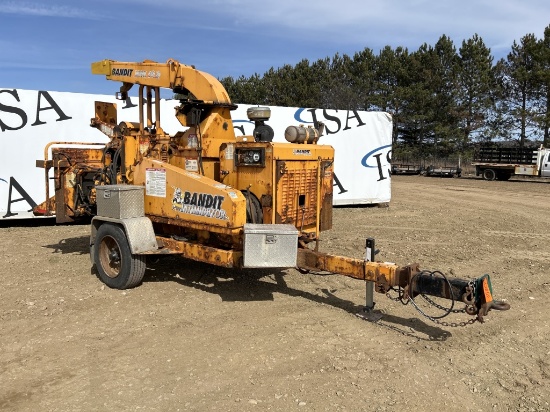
{"x": 504, "y": 176}
{"x": 117, "y": 267}
{"x": 254, "y": 212}
{"x": 489, "y": 174}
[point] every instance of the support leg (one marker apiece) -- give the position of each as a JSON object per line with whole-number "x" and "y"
{"x": 368, "y": 311}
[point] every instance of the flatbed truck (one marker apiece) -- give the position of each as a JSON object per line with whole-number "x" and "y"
{"x": 501, "y": 163}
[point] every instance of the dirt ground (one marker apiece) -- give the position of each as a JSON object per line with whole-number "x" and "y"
{"x": 198, "y": 338}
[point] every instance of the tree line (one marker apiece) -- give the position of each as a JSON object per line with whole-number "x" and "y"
{"x": 443, "y": 100}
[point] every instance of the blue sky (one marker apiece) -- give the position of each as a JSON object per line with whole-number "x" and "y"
{"x": 49, "y": 45}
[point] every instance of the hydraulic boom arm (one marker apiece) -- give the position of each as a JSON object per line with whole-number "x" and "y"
{"x": 173, "y": 75}
{"x": 204, "y": 111}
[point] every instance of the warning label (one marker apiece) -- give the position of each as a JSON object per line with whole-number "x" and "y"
{"x": 155, "y": 182}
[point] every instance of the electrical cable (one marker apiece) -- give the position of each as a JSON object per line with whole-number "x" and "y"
{"x": 431, "y": 302}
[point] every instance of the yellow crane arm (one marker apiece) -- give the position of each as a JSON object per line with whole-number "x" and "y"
{"x": 172, "y": 75}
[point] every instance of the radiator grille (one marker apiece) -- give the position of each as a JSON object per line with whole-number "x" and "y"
{"x": 297, "y": 193}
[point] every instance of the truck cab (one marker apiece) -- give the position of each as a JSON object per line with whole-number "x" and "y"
{"x": 544, "y": 164}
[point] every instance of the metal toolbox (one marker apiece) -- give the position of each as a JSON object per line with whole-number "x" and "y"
{"x": 120, "y": 201}
{"x": 270, "y": 246}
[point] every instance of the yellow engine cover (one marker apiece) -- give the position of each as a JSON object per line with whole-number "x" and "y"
{"x": 292, "y": 182}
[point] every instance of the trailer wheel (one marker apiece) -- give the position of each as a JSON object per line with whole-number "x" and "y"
{"x": 489, "y": 174}
{"x": 117, "y": 267}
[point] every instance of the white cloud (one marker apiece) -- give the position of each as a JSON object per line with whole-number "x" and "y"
{"x": 234, "y": 37}
{"x": 38, "y": 9}
{"x": 368, "y": 23}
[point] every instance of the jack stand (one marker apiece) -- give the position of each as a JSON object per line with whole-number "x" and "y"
{"x": 368, "y": 311}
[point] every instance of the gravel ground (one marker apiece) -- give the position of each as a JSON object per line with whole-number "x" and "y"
{"x": 198, "y": 338}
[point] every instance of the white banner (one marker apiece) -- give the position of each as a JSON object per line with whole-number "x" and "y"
{"x": 30, "y": 119}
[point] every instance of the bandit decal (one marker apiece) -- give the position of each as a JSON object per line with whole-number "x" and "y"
{"x": 199, "y": 204}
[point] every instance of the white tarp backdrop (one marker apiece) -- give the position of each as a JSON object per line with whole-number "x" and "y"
{"x": 30, "y": 119}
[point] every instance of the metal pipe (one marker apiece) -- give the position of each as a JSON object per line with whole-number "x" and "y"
{"x": 157, "y": 107}
{"x": 369, "y": 286}
{"x": 149, "y": 107}
{"x": 141, "y": 109}
{"x": 47, "y": 169}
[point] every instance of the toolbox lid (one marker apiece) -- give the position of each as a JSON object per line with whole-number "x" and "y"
{"x": 119, "y": 188}
{"x": 281, "y": 229}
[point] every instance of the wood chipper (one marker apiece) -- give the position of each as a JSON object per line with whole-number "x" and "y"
{"x": 210, "y": 196}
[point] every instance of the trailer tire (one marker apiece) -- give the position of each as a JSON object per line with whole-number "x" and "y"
{"x": 489, "y": 174}
{"x": 117, "y": 267}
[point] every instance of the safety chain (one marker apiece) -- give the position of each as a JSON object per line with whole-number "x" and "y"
{"x": 471, "y": 291}
{"x": 438, "y": 306}
{"x": 400, "y": 297}
{"x": 442, "y": 322}
{"x": 468, "y": 299}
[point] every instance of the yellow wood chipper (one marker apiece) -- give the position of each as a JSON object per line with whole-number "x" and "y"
{"x": 211, "y": 196}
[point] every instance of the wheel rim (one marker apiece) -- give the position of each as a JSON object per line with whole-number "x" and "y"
{"x": 109, "y": 256}
{"x": 489, "y": 174}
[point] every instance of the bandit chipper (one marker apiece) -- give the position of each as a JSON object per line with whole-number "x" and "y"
{"x": 211, "y": 196}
